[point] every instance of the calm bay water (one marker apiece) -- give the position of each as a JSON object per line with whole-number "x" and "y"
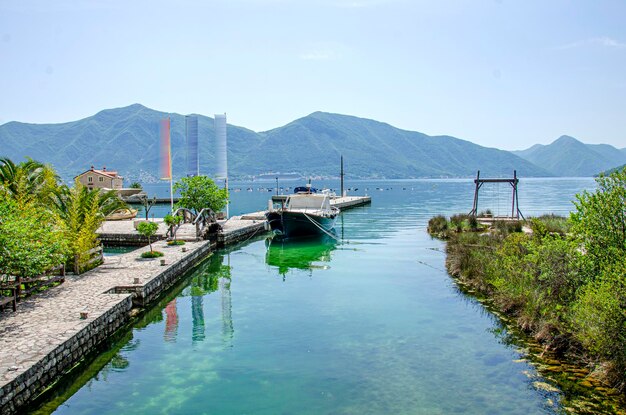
{"x": 373, "y": 325}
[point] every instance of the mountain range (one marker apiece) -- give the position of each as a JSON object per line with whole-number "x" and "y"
{"x": 126, "y": 139}
{"x": 567, "y": 156}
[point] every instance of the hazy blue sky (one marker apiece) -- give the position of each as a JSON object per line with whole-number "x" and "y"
{"x": 505, "y": 73}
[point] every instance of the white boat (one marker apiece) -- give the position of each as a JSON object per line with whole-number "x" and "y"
{"x": 304, "y": 213}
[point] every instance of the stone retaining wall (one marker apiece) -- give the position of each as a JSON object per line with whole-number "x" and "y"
{"x": 142, "y": 295}
{"x": 28, "y": 385}
{"x": 242, "y": 234}
{"x": 116, "y": 239}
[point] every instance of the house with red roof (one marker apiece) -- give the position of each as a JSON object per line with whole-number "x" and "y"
{"x": 101, "y": 179}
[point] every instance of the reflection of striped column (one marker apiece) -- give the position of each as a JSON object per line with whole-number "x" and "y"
{"x": 171, "y": 321}
{"x": 191, "y": 134}
{"x": 197, "y": 316}
{"x": 227, "y": 310}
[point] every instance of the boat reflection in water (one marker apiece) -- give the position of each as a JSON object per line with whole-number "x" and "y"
{"x": 305, "y": 253}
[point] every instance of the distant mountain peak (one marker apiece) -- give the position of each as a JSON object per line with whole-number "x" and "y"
{"x": 130, "y": 108}
{"x": 566, "y": 139}
{"x": 567, "y": 156}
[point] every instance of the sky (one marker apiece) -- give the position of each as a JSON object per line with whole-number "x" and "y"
{"x": 500, "y": 73}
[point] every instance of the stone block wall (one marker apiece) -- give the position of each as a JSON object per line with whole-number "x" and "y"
{"x": 241, "y": 235}
{"x": 145, "y": 294}
{"x": 28, "y": 385}
{"x": 116, "y": 239}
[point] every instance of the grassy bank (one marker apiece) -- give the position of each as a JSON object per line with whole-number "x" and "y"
{"x": 562, "y": 280}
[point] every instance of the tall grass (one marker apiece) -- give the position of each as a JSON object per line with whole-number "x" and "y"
{"x": 545, "y": 280}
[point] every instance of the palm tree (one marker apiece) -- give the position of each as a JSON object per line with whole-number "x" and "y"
{"x": 28, "y": 181}
{"x": 82, "y": 211}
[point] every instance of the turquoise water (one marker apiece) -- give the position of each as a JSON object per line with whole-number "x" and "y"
{"x": 117, "y": 250}
{"x": 373, "y": 325}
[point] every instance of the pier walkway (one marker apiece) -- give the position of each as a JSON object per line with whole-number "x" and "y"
{"x": 236, "y": 228}
{"x": 344, "y": 202}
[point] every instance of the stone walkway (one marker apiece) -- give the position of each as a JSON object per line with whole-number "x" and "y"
{"x": 44, "y": 322}
{"x": 127, "y": 227}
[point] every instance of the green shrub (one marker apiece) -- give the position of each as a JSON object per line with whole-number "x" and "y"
{"x": 600, "y": 221}
{"x": 31, "y": 242}
{"x": 507, "y": 227}
{"x": 152, "y": 254}
{"x": 473, "y": 223}
{"x": 555, "y": 224}
{"x": 175, "y": 243}
{"x": 437, "y": 226}
{"x": 599, "y": 317}
{"x": 457, "y": 221}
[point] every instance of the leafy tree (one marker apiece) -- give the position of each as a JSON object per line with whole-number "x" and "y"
{"x": 171, "y": 221}
{"x": 148, "y": 229}
{"x": 600, "y": 221}
{"x": 31, "y": 242}
{"x": 200, "y": 192}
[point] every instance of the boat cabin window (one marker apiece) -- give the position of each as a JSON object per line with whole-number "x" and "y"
{"x": 308, "y": 202}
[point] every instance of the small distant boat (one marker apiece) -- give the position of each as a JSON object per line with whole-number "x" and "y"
{"x": 305, "y": 213}
{"x": 122, "y": 214}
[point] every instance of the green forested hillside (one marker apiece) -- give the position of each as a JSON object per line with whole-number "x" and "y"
{"x": 126, "y": 139}
{"x": 375, "y": 149}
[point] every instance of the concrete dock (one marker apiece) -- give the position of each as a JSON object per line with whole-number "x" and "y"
{"x": 345, "y": 202}
{"x": 236, "y": 228}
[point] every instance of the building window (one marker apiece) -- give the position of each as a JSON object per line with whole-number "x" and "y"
{"x": 89, "y": 179}
{"x": 100, "y": 179}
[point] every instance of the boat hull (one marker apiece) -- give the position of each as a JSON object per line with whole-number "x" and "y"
{"x": 296, "y": 224}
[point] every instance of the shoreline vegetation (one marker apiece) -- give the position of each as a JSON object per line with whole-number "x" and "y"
{"x": 44, "y": 223}
{"x": 560, "y": 280}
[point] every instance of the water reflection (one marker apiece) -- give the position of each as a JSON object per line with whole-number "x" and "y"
{"x": 197, "y": 318}
{"x": 211, "y": 276}
{"x": 171, "y": 321}
{"x": 299, "y": 253}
